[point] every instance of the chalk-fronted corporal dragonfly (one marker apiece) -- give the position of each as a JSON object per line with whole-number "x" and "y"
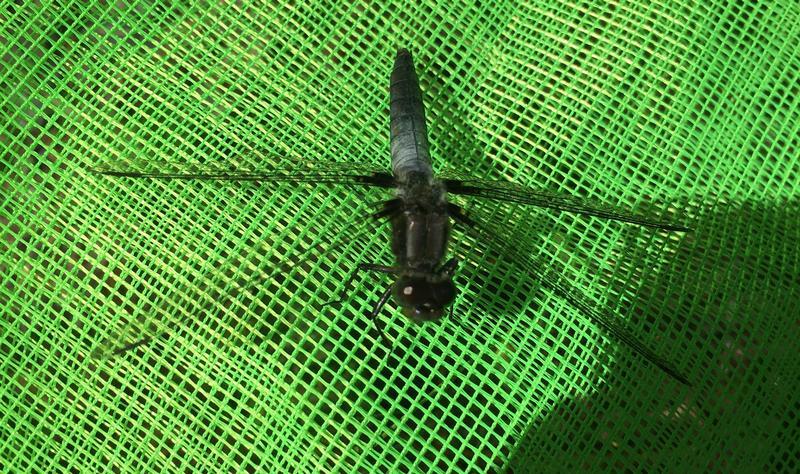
{"x": 420, "y": 213}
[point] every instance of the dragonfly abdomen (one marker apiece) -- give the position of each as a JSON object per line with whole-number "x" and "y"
{"x": 409, "y": 135}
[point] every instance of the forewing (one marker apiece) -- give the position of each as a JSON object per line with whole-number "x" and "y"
{"x": 261, "y": 168}
{"x": 457, "y": 183}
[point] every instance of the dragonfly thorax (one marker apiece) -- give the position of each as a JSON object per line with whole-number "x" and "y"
{"x": 419, "y": 237}
{"x": 422, "y": 190}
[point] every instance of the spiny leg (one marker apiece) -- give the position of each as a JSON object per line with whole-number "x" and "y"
{"x": 373, "y": 316}
{"x": 321, "y": 243}
{"x": 388, "y": 209}
{"x": 375, "y": 267}
{"x": 459, "y": 214}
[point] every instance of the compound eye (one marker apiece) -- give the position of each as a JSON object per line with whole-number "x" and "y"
{"x": 445, "y": 292}
{"x": 410, "y": 292}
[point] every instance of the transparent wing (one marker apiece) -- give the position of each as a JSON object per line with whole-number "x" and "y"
{"x": 483, "y": 230}
{"x": 136, "y": 332}
{"x": 263, "y": 168}
{"x": 457, "y": 183}
{"x": 147, "y": 327}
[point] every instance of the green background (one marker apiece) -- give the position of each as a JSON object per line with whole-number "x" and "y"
{"x": 689, "y": 108}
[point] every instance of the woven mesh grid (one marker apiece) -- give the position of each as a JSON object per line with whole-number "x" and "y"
{"x": 691, "y": 104}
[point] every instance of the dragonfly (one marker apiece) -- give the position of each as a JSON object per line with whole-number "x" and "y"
{"x": 420, "y": 214}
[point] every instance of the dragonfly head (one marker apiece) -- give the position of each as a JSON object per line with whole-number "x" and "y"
{"x": 425, "y": 297}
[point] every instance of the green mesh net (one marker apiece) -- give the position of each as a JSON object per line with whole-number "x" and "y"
{"x": 689, "y": 108}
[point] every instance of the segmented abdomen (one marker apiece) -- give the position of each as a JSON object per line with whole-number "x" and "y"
{"x": 409, "y": 137}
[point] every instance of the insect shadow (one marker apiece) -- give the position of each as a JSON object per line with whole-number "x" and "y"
{"x": 733, "y": 288}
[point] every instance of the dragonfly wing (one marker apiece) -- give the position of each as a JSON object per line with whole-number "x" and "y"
{"x": 144, "y": 329}
{"x": 505, "y": 191}
{"x": 610, "y": 324}
{"x": 131, "y": 334}
{"x": 266, "y": 169}
{"x": 562, "y": 286}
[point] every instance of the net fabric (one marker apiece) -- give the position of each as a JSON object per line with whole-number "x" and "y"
{"x": 689, "y": 106}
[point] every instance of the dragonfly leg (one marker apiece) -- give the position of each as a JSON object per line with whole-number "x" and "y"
{"x": 373, "y": 316}
{"x": 375, "y": 267}
{"x": 387, "y": 208}
{"x": 452, "y": 318}
{"x": 459, "y": 214}
{"x": 449, "y": 267}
